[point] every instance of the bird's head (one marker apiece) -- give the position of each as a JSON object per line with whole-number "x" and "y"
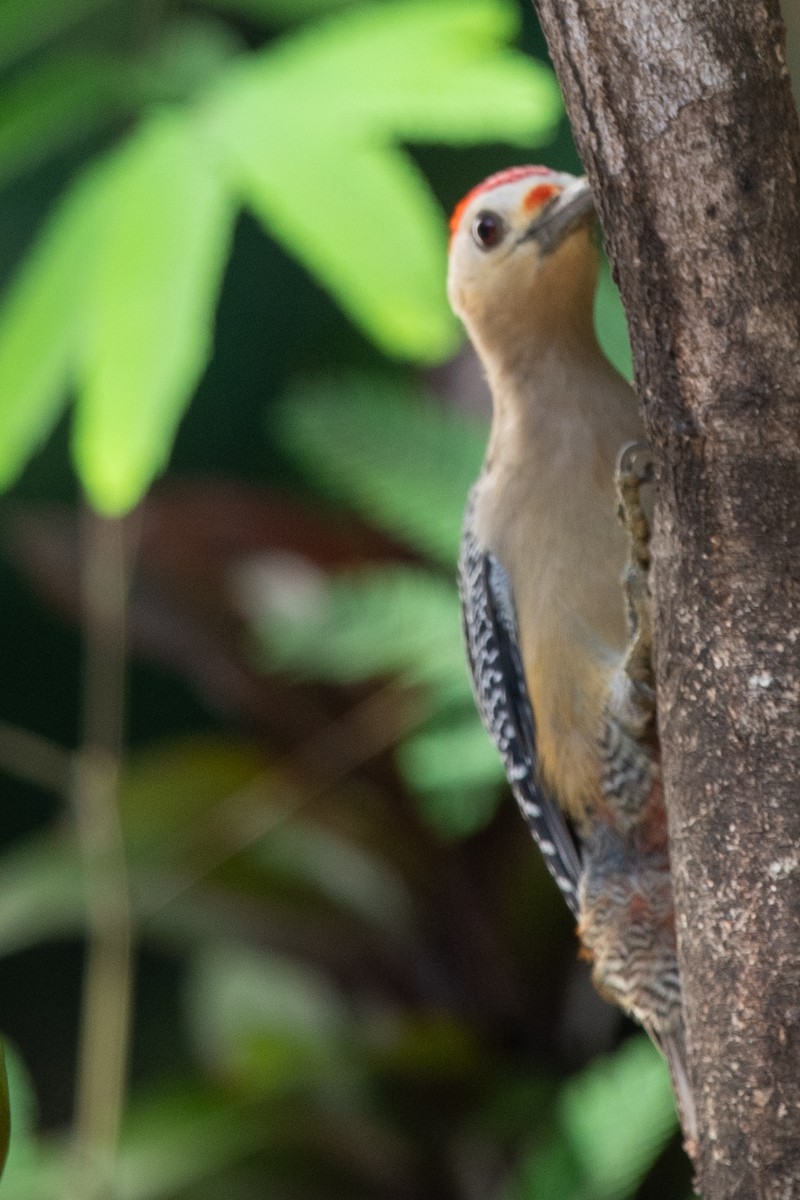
{"x": 522, "y": 258}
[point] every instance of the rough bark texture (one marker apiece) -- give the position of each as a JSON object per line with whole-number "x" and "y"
{"x": 683, "y": 115}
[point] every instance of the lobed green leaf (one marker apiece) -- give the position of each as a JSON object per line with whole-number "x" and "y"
{"x": 317, "y": 158}
{"x": 401, "y": 461}
{"x": 40, "y": 325}
{"x": 383, "y": 621}
{"x": 415, "y": 70}
{"x": 125, "y": 276}
{"x": 373, "y": 234}
{"x": 153, "y": 278}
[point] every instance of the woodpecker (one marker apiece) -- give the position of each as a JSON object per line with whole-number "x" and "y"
{"x": 554, "y": 587}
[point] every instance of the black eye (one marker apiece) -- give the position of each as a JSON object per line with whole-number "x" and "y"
{"x": 488, "y": 230}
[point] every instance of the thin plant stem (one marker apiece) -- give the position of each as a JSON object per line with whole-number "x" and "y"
{"x": 325, "y": 761}
{"x": 106, "y": 1004}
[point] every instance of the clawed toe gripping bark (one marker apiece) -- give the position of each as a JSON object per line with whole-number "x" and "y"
{"x": 634, "y": 469}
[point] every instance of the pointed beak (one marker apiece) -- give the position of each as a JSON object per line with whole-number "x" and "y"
{"x": 561, "y": 216}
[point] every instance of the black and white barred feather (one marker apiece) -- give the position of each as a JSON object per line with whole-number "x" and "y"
{"x": 501, "y": 695}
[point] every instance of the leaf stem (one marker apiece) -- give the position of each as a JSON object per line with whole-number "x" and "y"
{"x": 106, "y": 1010}
{"x": 243, "y": 819}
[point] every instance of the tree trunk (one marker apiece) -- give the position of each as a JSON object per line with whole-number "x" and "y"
{"x": 683, "y": 115}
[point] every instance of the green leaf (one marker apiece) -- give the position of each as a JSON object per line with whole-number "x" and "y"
{"x": 458, "y": 812}
{"x": 24, "y": 24}
{"x": 22, "y": 1097}
{"x": 40, "y": 323}
{"x": 618, "y": 1116}
{"x": 5, "y": 1111}
{"x": 401, "y": 622}
{"x": 124, "y": 280}
{"x": 53, "y": 105}
{"x": 385, "y": 621}
{"x": 453, "y": 756}
{"x": 272, "y": 1022}
{"x": 124, "y": 277}
{"x": 284, "y": 1034}
{"x": 403, "y": 463}
{"x": 34, "y": 1169}
{"x": 430, "y": 71}
{"x": 37, "y": 1173}
{"x": 154, "y": 275}
{"x": 549, "y": 1171}
{"x": 415, "y": 70}
{"x": 319, "y": 162}
{"x": 273, "y": 12}
{"x": 189, "y": 53}
{"x": 454, "y": 773}
{"x": 41, "y": 892}
{"x": 393, "y": 292}
{"x": 179, "y": 1136}
{"x": 612, "y": 1122}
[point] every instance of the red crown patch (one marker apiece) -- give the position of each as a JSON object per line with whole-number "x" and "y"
{"x": 510, "y": 175}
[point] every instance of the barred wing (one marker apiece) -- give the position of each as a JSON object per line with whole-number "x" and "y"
{"x": 498, "y": 684}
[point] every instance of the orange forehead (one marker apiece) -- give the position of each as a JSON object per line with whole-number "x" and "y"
{"x": 539, "y": 195}
{"x": 510, "y": 175}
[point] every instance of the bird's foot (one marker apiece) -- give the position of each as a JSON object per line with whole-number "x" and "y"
{"x": 635, "y": 468}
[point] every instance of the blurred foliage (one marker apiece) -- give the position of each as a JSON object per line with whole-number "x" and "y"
{"x": 5, "y": 1110}
{"x": 126, "y": 272}
{"x": 405, "y": 463}
{"x": 354, "y": 978}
